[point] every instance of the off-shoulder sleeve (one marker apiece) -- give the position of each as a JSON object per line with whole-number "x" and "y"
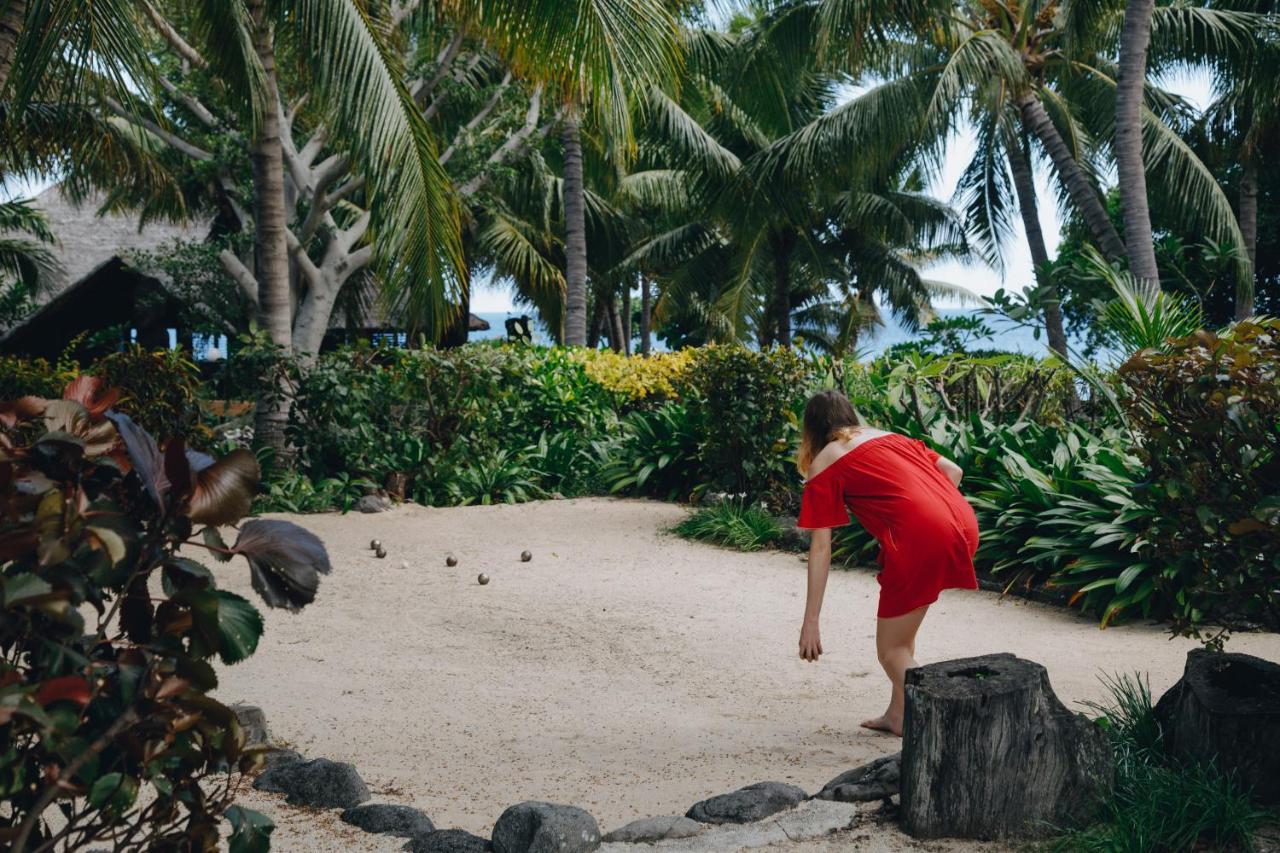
{"x": 929, "y": 453}
{"x": 822, "y": 504}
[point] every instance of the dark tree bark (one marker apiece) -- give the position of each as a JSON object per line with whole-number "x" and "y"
{"x": 275, "y": 305}
{"x": 1083, "y": 195}
{"x": 615, "y": 325}
{"x": 1024, "y": 183}
{"x": 1248, "y": 215}
{"x": 646, "y": 315}
{"x": 989, "y": 751}
{"x": 575, "y": 234}
{"x": 1226, "y": 709}
{"x": 12, "y": 23}
{"x": 626, "y": 318}
{"x": 782, "y": 248}
{"x": 1135, "y": 38}
{"x": 598, "y": 318}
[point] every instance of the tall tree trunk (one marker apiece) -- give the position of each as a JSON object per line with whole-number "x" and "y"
{"x": 597, "y": 323}
{"x": 1083, "y": 195}
{"x": 1135, "y": 38}
{"x": 575, "y": 233}
{"x": 626, "y": 318}
{"x": 12, "y": 23}
{"x": 782, "y": 290}
{"x": 615, "y": 325}
{"x": 1248, "y": 213}
{"x": 646, "y": 315}
{"x": 1024, "y": 183}
{"x": 275, "y": 306}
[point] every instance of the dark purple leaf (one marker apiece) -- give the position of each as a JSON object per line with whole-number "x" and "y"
{"x": 285, "y": 562}
{"x": 224, "y": 491}
{"x": 144, "y": 455}
{"x": 177, "y": 468}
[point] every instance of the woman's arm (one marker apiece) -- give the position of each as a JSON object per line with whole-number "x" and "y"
{"x": 953, "y": 471}
{"x": 819, "y": 568}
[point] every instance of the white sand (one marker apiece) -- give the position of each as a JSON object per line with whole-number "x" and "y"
{"x": 623, "y": 670}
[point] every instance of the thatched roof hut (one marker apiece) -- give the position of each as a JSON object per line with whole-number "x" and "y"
{"x": 95, "y": 285}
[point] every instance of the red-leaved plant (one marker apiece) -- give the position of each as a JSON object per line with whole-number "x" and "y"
{"x": 107, "y": 635}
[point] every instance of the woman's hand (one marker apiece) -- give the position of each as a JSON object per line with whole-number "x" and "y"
{"x": 810, "y": 641}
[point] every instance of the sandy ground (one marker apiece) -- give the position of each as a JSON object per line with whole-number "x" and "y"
{"x": 622, "y": 670}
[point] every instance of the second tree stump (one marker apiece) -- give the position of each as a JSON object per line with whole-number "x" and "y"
{"x": 989, "y": 751}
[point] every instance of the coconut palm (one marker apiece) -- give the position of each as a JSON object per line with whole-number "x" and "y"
{"x": 1043, "y": 69}
{"x": 24, "y": 238}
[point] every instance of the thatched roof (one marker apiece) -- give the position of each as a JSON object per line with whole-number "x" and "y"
{"x": 87, "y": 241}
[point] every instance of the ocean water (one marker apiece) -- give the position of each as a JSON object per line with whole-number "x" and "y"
{"x": 1007, "y": 336}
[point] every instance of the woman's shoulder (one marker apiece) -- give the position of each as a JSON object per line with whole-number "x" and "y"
{"x": 838, "y": 449}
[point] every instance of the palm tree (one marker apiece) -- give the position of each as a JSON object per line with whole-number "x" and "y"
{"x": 1135, "y": 38}
{"x": 24, "y": 238}
{"x": 1041, "y": 68}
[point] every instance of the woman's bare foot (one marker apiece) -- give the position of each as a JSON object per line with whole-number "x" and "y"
{"x": 884, "y": 723}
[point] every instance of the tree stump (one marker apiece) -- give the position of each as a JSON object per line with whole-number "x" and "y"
{"x": 989, "y": 751}
{"x": 1226, "y": 709}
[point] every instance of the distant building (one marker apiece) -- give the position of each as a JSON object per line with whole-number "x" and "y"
{"x": 97, "y": 286}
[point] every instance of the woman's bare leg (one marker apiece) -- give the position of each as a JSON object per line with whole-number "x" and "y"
{"x": 896, "y": 647}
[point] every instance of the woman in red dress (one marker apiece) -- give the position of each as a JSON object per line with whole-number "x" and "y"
{"x": 907, "y": 497}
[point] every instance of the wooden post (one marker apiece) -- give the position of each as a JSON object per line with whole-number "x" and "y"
{"x": 1226, "y": 709}
{"x": 989, "y": 751}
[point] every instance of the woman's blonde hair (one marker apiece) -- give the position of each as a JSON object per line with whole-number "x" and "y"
{"x": 828, "y": 417}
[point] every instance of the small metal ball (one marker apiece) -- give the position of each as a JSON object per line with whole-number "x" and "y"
{"x": 451, "y": 561}
{"x": 526, "y": 556}
{"x": 483, "y": 579}
{"x": 375, "y": 544}
{"x": 381, "y": 552}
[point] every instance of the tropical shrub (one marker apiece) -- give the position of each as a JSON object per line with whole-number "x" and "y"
{"x": 110, "y": 723}
{"x": 746, "y": 527}
{"x": 501, "y": 477}
{"x": 657, "y": 454}
{"x": 743, "y": 405}
{"x": 1207, "y": 410}
{"x": 34, "y": 377}
{"x": 652, "y": 379}
{"x": 159, "y": 390}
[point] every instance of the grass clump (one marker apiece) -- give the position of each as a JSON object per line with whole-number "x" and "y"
{"x": 745, "y": 527}
{"x": 1159, "y": 804}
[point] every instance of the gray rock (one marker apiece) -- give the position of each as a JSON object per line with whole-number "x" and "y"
{"x": 374, "y": 503}
{"x": 875, "y": 781}
{"x": 545, "y": 828}
{"x": 254, "y": 723}
{"x": 754, "y": 802}
{"x": 650, "y": 829}
{"x": 448, "y": 841}
{"x": 282, "y": 756}
{"x": 318, "y": 782}
{"x": 385, "y": 819}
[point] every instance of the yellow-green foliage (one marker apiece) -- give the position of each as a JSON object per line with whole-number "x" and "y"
{"x": 638, "y": 378}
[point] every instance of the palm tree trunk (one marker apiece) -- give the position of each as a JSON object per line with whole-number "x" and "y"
{"x": 646, "y": 315}
{"x": 615, "y": 325}
{"x": 1086, "y": 199}
{"x": 575, "y": 233}
{"x": 626, "y": 318}
{"x": 11, "y": 26}
{"x": 1024, "y": 183}
{"x": 1135, "y": 38}
{"x": 1248, "y": 215}
{"x": 275, "y": 305}
{"x": 597, "y": 323}
{"x": 782, "y": 290}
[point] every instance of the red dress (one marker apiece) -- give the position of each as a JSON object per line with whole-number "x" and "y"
{"x": 927, "y": 531}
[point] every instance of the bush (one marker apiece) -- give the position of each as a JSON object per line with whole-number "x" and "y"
{"x": 744, "y": 408}
{"x": 1158, "y": 804}
{"x": 657, "y": 455}
{"x": 733, "y": 523}
{"x": 637, "y": 380}
{"x": 112, "y": 724}
{"x": 159, "y": 390}
{"x": 34, "y": 377}
{"x": 1207, "y": 409}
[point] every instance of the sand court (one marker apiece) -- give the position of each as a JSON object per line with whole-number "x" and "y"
{"x": 622, "y": 669}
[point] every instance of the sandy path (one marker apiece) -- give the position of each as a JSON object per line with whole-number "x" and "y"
{"x": 622, "y": 670}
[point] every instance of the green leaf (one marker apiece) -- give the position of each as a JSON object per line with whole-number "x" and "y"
{"x": 250, "y": 831}
{"x": 113, "y": 790}
{"x": 24, "y": 587}
{"x": 239, "y": 627}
